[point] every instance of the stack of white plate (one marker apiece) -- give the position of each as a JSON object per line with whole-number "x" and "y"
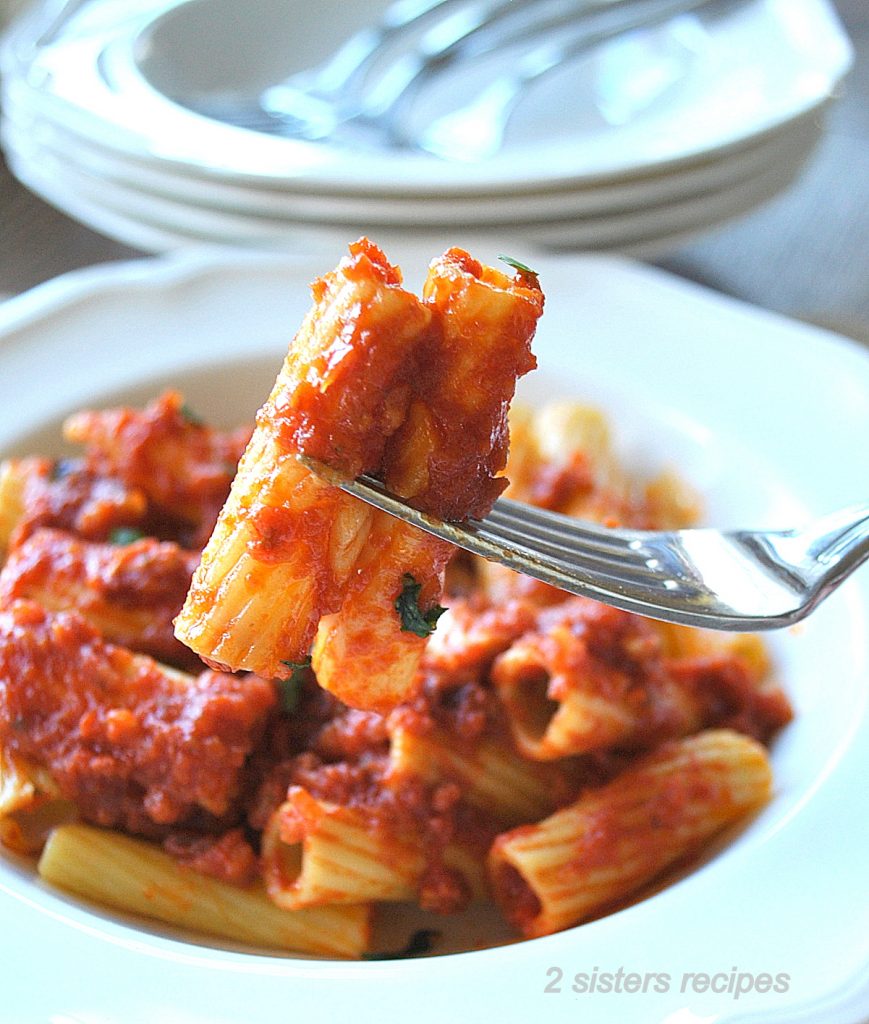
{"x": 645, "y": 141}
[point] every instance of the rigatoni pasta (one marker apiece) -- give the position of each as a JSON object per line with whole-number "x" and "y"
{"x": 363, "y": 653}
{"x": 133, "y": 876}
{"x": 509, "y": 788}
{"x": 283, "y": 546}
{"x": 617, "y": 838}
{"x": 128, "y": 589}
{"x": 133, "y": 743}
{"x": 286, "y": 544}
{"x": 165, "y": 454}
{"x": 590, "y": 677}
{"x": 316, "y": 852}
{"x": 377, "y": 380}
{"x": 31, "y": 804}
{"x": 378, "y": 719}
{"x": 12, "y": 483}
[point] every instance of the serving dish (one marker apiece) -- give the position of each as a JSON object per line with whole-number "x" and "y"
{"x": 750, "y": 407}
{"x": 634, "y": 149}
{"x": 26, "y": 133}
{"x": 131, "y": 81}
{"x": 156, "y": 219}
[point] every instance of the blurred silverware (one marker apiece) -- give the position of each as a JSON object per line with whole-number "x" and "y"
{"x": 374, "y": 76}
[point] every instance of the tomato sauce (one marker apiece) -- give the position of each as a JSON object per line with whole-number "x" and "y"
{"x": 516, "y": 898}
{"x": 351, "y": 374}
{"x": 131, "y": 592}
{"x": 414, "y": 392}
{"x": 182, "y": 467}
{"x": 132, "y": 744}
{"x": 484, "y": 324}
{"x": 229, "y": 857}
{"x": 65, "y": 495}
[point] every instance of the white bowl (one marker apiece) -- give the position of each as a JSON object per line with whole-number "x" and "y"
{"x": 764, "y": 415}
{"x": 129, "y": 80}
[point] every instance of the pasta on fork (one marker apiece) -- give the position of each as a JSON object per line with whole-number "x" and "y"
{"x": 378, "y": 381}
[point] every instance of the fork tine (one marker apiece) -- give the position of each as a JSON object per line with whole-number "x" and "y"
{"x": 536, "y": 522}
{"x": 375, "y": 74}
{"x": 580, "y": 569}
{"x": 576, "y": 568}
{"x": 737, "y": 580}
{"x": 341, "y": 77}
{"x": 475, "y": 130}
{"x": 352, "y": 61}
{"x": 471, "y": 33}
{"x": 569, "y": 545}
{"x": 480, "y": 32}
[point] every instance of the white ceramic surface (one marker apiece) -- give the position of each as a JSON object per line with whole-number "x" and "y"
{"x": 764, "y": 415}
{"x": 112, "y": 72}
{"x": 23, "y": 120}
{"x": 159, "y": 221}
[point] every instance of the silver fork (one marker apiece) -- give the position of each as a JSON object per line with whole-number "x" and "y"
{"x": 372, "y": 79}
{"x": 476, "y": 131}
{"x": 312, "y": 103}
{"x": 736, "y": 580}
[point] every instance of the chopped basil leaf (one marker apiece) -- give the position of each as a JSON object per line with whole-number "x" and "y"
{"x": 420, "y": 942}
{"x": 63, "y": 468}
{"x": 516, "y": 265}
{"x": 124, "y": 535}
{"x": 413, "y": 619}
{"x": 290, "y": 689}
{"x": 192, "y": 417}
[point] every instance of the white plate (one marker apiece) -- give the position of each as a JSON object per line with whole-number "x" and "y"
{"x": 158, "y": 222}
{"x": 22, "y": 114}
{"x": 766, "y": 63}
{"x": 766, "y": 416}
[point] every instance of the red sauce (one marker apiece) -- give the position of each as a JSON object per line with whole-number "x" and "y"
{"x": 731, "y": 695}
{"x": 350, "y": 734}
{"x": 183, "y": 468}
{"x": 516, "y": 898}
{"x": 351, "y": 374}
{"x": 474, "y": 633}
{"x": 392, "y": 807}
{"x": 67, "y": 496}
{"x": 579, "y": 644}
{"x": 229, "y": 856}
{"x": 341, "y": 756}
{"x": 415, "y": 392}
{"x": 485, "y": 322}
{"x": 129, "y": 744}
{"x": 130, "y": 592}
{"x": 554, "y": 485}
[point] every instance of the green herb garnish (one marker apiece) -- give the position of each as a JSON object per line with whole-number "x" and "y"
{"x": 413, "y": 619}
{"x": 516, "y": 265}
{"x": 420, "y": 942}
{"x": 192, "y": 417}
{"x": 124, "y": 535}
{"x": 63, "y": 468}
{"x": 290, "y": 689}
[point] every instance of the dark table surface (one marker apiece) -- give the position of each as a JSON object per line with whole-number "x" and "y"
{"x": 805, "y": 253}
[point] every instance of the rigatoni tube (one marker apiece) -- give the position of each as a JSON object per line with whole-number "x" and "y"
{"x": 137, "y": 877}
{"x": 615, "y": 839}
{"x": 285, "y": 543}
